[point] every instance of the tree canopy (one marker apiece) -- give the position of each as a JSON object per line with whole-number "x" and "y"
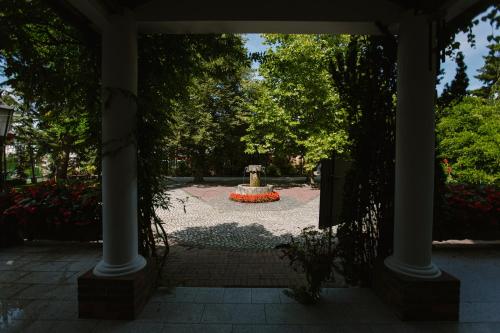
{"x": 297, "y": 110}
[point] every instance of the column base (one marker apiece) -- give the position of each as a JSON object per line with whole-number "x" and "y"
{"x": 411, "y": 298}
{"x": 120, "y": 298}
{"x": 105, "y": 269}
{"x": 429, "y": 272}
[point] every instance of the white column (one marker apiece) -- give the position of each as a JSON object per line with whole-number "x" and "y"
{"x": 119, "y": 160}
{"x": 414, "y": 152}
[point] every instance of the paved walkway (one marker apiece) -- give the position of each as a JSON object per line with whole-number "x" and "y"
{"x": 38, "y": 294}
{"x": 203, "y": 216}
{"x": 195, "y": 267}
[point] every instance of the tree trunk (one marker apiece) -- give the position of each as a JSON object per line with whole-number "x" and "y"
{"x": 32, "y": 163}
{"x": 198, "y": 166}
{"x": 62, "y": 165}
{"x": 310, "y": 179}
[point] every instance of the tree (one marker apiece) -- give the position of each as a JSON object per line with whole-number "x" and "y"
{"x": 297, "y": 111}
{"x": 469, "y": 138}
{"x": 457, "y": 89}
{"x": 489, "y": 74}
{"x": 207, "y": 126}
{"x": 53, "y": 69}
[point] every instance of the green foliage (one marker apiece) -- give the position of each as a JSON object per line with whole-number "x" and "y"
{"x": 53, "y": 70}
{"x": 312, "y": 253}
{"x": 365, "y": 78}
{"x": 489, "y": 74}
{"x": 468, "y": 136}
{"x": 207, "y": 125}
{"x": 297, "y": 110}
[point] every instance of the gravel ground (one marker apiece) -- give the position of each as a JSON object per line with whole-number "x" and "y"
{"x": 203, "y": 216}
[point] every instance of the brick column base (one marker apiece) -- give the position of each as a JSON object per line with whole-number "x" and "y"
{"x": 119, "y": 298}
{"x": 418, "y": 299}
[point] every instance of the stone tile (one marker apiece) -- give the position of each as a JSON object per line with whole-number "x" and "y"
{"x": 176, "y": 295}
{"x": 65, "y": 292}
{"x": 266, "y": 295}
{"x": 38, "y": 327}
{"x": 234, "y": 313}
{"x": 74, "y": 326}
{"x": 151, "y": 311}
{"x": 435, "y": 327}
{"x": 267, "y": 329}
{"x": 209, "y": 295}
{"x": 47, "y": 277}
{"x": 10, "y": 290}
{"x": 136, "y": 326}
{"x": 81, "y": 266}
{"x": 37, "y": 291}
{"x": 31, "y": 309}
{"x": 196, "y": 328}
{"x": 177, "y": 328}
{"x": 60, "y": 310}
{"x": 493, "y": 327}
{"x": 285, "y": 299}
{"x": 238, "y": 295}
{"x": 11, "y": 316}
{"x": 14, "y": 326}
{"x": 368, "y": 313}
{"x": 480, "y": 312}
{"x": 349, "y": 295}
{"x": 10, "y": 264}
{"x": 173, "y": 312}
{"x": 338, "y": 328}
{"x": 182, "y": 312}
{"x": 11, "y": 276}
{"x": 306, "y": 314}
{"x": 47, "y": 266}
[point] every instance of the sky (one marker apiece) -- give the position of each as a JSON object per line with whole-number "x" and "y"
{"x": 473, "y": 57}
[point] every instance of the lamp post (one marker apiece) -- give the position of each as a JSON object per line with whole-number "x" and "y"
{"x": 6, "y": 113}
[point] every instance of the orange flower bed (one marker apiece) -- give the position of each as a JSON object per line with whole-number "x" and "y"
{"x": 255, "y": 198}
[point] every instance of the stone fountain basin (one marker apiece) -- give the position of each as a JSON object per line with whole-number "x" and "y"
{"x": 247, "y": 189}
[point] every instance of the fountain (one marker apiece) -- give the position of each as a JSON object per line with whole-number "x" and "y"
{"x": 254, "y": 191}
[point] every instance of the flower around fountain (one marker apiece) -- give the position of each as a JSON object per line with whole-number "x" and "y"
{"x": 254, "y": 192}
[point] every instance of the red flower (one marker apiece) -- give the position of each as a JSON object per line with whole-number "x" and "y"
{"x": 254, "y": 198}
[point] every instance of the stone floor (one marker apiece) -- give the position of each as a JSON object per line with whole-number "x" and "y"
{"x": 38, "y": 294}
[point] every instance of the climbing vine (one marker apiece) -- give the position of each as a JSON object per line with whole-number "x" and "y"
{"x": 365, "y": 77}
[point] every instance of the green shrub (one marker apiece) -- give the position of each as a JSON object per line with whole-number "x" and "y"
{"x": 468, "y": 136}
{"x": 313, "y": 254}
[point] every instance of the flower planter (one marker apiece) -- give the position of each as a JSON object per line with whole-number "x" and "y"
{"x": 255, "y": 198}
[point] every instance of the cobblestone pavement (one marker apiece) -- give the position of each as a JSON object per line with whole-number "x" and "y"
{"x": 202, "y": 215}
